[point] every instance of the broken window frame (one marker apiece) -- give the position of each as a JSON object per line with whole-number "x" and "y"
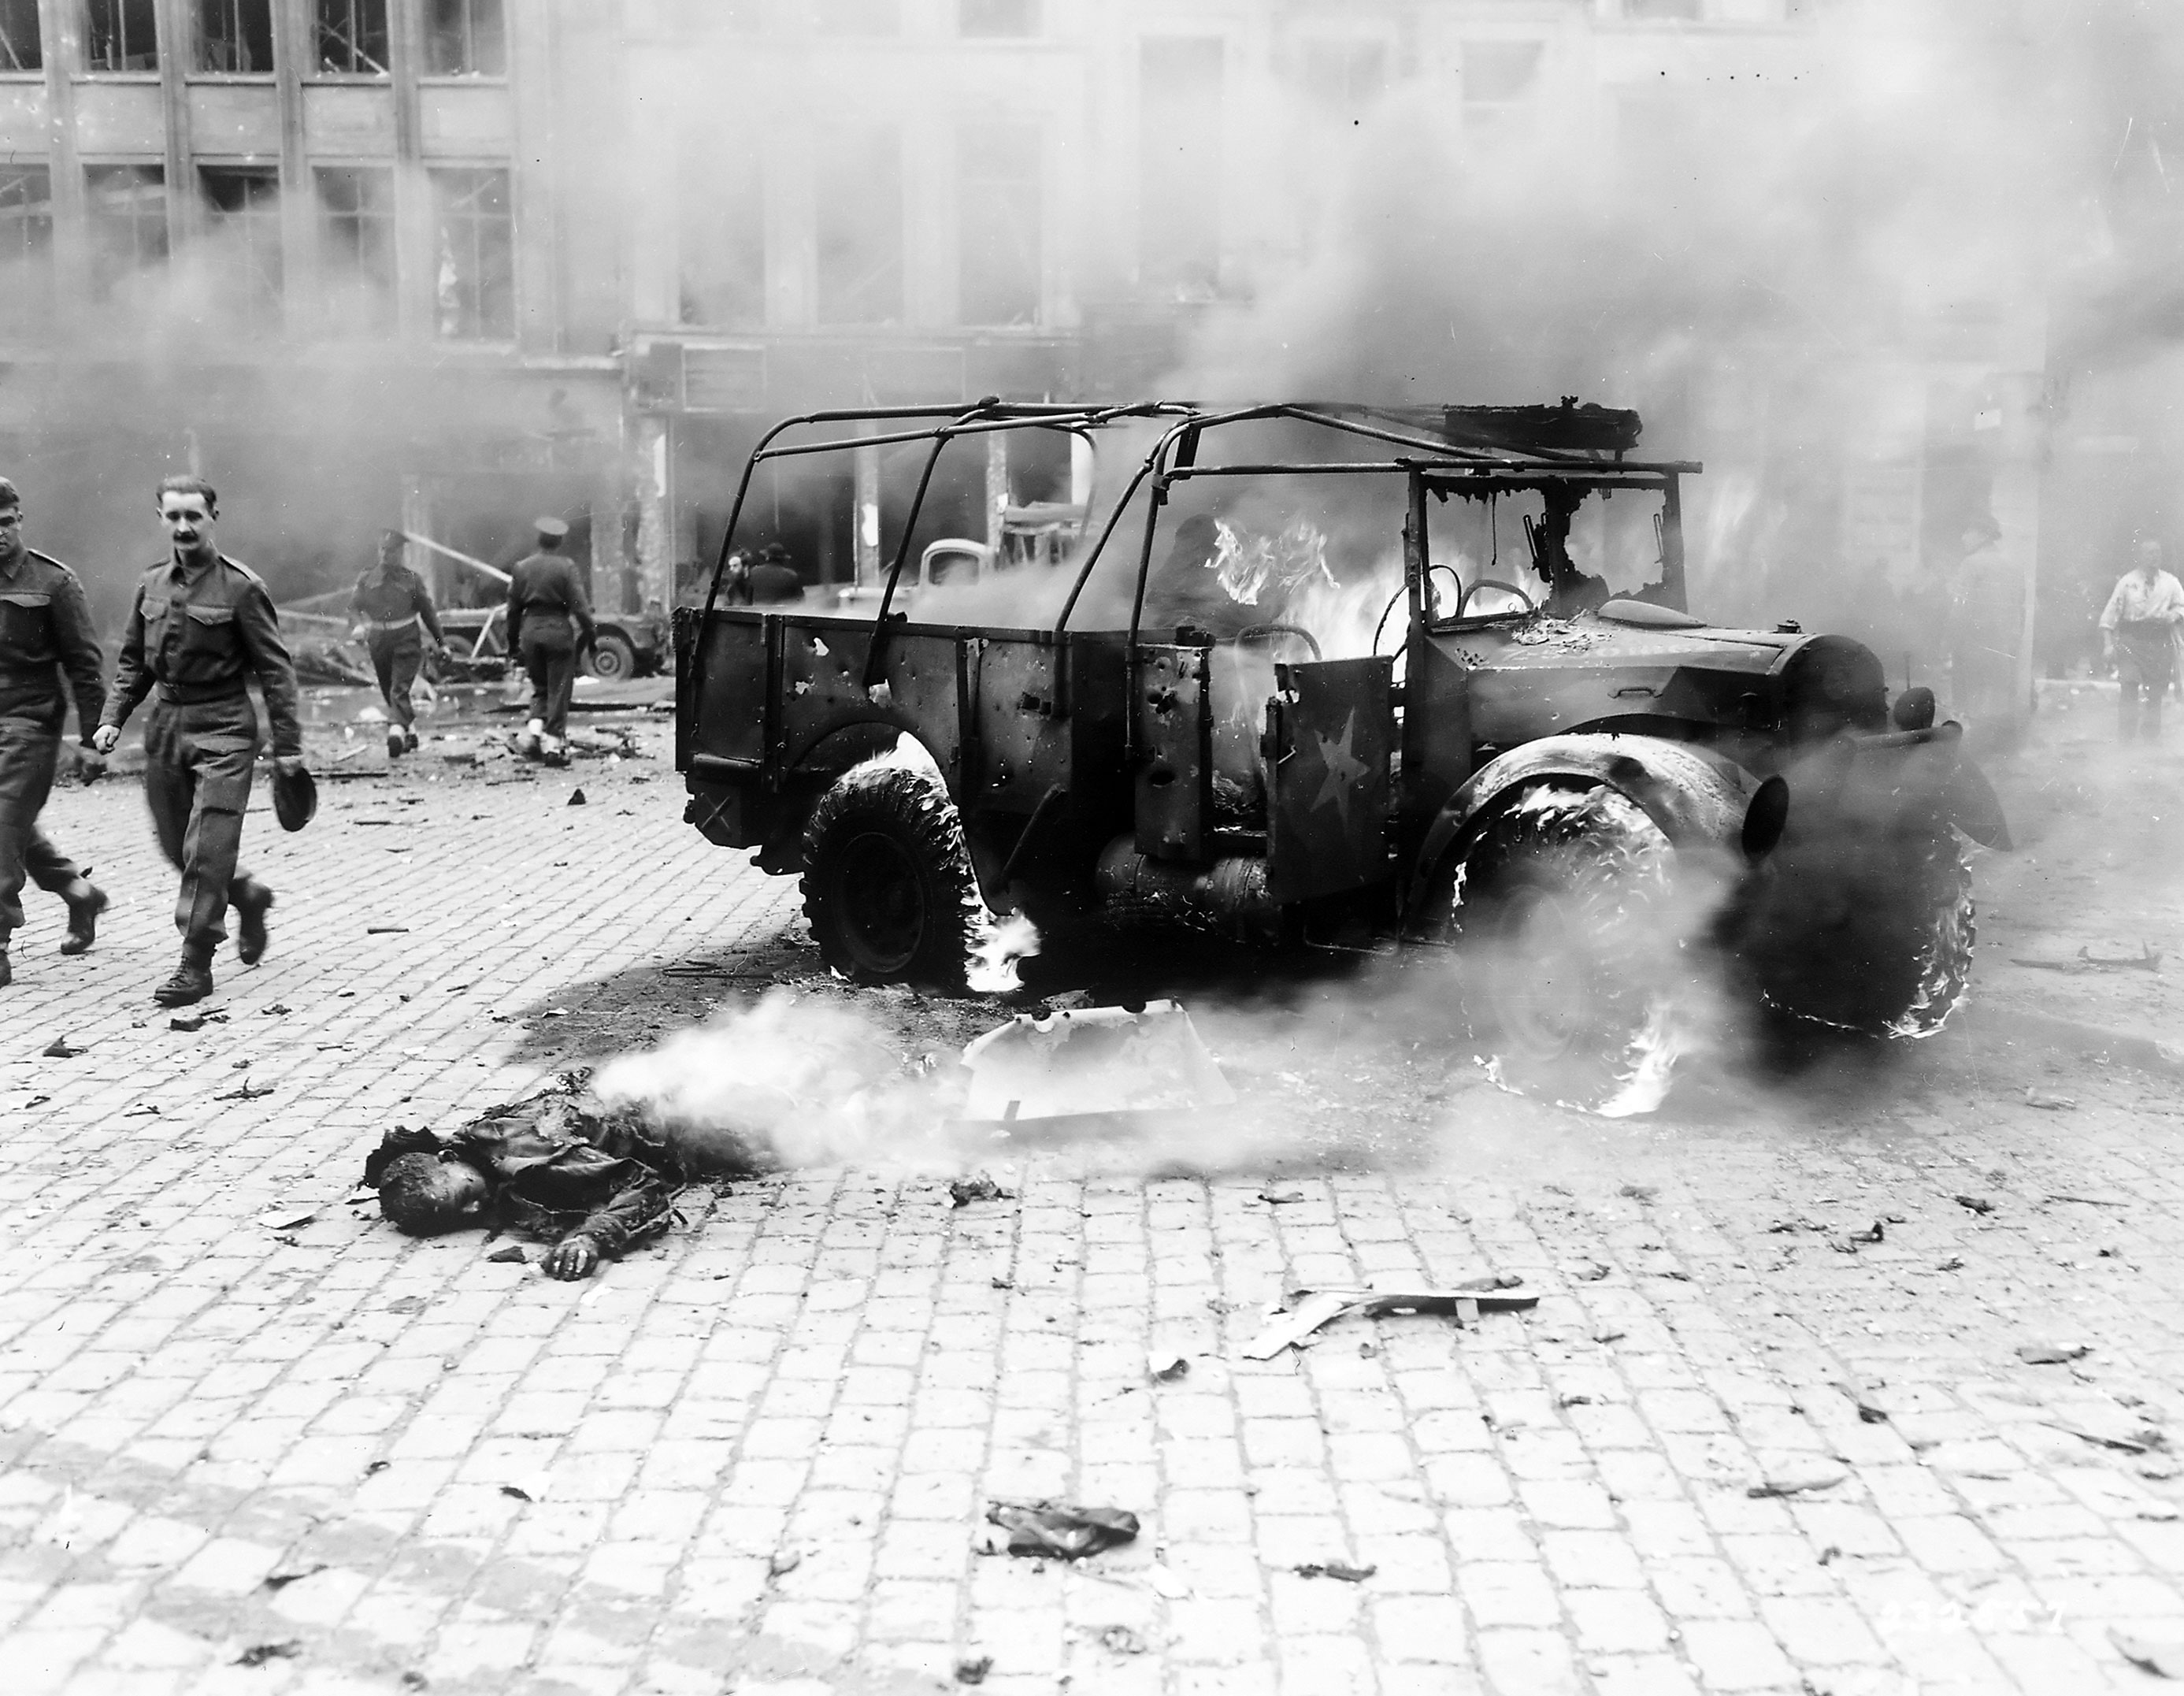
{"x": 253, "y": 226}
{"x": 477, "y": 303}
{"x": 142, "y": 216}
{"x": 120, "y": 38}
{"x": 19, "y": 23}
{"x": 357, "y": 243}
{"x": 348, "y": 27}
{"x": 466, "y": 38}
{"x": 231, "y": 35}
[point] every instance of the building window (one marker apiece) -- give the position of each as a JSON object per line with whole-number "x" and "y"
{"x": 121, "y": 35}
{"x": 997, "y": 17}
{"x": 126, "y": 210}
{"x": 352, "y": 37}
{"x": 242, "y": 204}
{"x": 1179, "y": 163}
{"x": 356, "y": 226}
{"x": 26, "y": 243}
{"x": 723, "y": 235}
{"x": 236, "y": 36}
{"x": 999, "y": 216}
{"x": 858, "y": 17}
{"x": 1499, "y": 78}
{"x": 19, "y": 44}
{"x": 1344, "y": 78}
{"x": 1660, "y": 8}
{"x": 466, "y": 38}
{"x": 475, "y": 288}
{"x": 859, "y": 190}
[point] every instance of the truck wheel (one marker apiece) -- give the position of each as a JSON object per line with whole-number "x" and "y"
{"x": 888, "y": 885}
{"x": 1576, "y": 982}
{"x": 1867, "y": 933}
{"x": 613, "y": 656}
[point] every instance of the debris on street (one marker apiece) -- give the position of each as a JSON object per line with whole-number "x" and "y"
{"x": 1796, "y": 1484}
{"x": 1335, "y": 1569}
{"x": 1978, "y": 1204}
{"x": 2164, "y": 1656}
{"x": 1060, "y": 1530}
{"x": 1464, "y": 1302}
{"x": 2053, "y": 1354}
{"x": 2053, "y": 1103}
{"x": 962, "y": 1192}
{"x": 259, "y": 1653}
{"x": 60, "y": 1048}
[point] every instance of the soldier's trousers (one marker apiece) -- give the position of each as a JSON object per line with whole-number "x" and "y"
{"x": 396, "y": 660}
{"x": 30, "y": 753}
{"x": 549, "y": 657}
{"x": 196, "y": 781}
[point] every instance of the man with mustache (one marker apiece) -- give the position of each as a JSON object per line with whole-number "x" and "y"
{"x": 201, "y": 626}
{"x": 45, "y": 633}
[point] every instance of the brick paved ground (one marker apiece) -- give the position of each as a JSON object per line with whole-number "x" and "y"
{"x": 753, "y": 1458}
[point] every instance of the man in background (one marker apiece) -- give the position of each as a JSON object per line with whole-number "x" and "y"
{"x": 549, "y": 626}
{"x": 200, "y": 628}
{"x": 46, "y": 633}
{"x": 2139, "y": 632}
{"x": 394, "y": 614}
{"x": 773, "y": 578}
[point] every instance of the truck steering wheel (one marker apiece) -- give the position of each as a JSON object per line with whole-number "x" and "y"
{"x": 1464, "y": 600}
{"x": 1259, "y": 632}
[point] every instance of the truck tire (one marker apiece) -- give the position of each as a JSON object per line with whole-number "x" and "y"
{"x": 1577, "y": 977}
{"x": 613, "y": 656}
{"x": 888, "y": 885}
{"x": 1868, "y": 933}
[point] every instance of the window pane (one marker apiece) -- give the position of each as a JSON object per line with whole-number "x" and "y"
{"x": 476, "y": 289}
{"x": 121, "y": 35}
{"x": 466, "y": 38}
{"x": 1344, "y": 78}
{"x": 860, "y": 226}
{"x": 243, "y": 226}
{"x": 236, "y": 36}
{"x": 1179, "y": 156}
{"x": 998, "y": 17}
{"x": 1660, "y": 9}
{"x": 26, "y": 244}
{"x": 999, "y": 213}
{"x": 356, "y": 226}
{"x": 126, "y": 208}
{"x": 19, "y": 47}
{"x": 352, "y": 37}
{"x": 723, "y": 247}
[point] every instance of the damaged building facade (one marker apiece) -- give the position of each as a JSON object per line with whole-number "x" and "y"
{"x": 462, "y": 262}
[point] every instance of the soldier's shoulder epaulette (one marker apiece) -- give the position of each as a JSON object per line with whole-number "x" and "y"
{"x": 243, "y": 570}
{"x": 60, "y": 565}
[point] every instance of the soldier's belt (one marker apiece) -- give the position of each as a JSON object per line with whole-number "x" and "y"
{"x": 385, "y": 628}
{"x": 201, "y": 694}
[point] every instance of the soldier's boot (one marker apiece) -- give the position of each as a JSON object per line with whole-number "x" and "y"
{"x": 192, "y": 982}
{"x": 410, "y": 739}
{"x": 83, "y": 911}
{"x": 553, "y": 752}
{"x": 528, "y": 740}
{"x": 396, "y": 747}
{"x": 252, "y": 903}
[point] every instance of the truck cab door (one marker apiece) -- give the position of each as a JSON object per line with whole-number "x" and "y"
{"x": 1330, "y": 742}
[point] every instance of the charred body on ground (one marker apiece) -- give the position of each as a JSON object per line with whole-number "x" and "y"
{"x": 1565, "y": 781}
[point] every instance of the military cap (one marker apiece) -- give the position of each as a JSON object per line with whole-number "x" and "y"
{"x": 7, "y": 495}
{"x": 295, "y": 798}
{"x": 554, "y": 527}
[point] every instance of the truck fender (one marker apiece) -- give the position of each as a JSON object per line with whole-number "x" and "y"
{"x": 1699, "y": 800}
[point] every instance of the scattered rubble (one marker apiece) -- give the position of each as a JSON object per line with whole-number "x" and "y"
{"x": 2053, "y": 1354}
{"x": 259, "y": 1653}
{"x": 1796, "y": 1484}
{"x": 1060, "y": 1530}
{"x": 1978, "y": 1204}
{"x": 60, "y": 1049}
{"x": 1335, "y": 1569}
{"x": 1464, "y": 1302}
{"x": 978, "y": 1187}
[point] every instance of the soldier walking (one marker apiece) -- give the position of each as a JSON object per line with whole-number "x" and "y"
{"x": 202, "y": 625}
{"x": 549, "y": 626}
{"x": 45, "y": 632}
{"x": 2139, "y": 632}
{"x": 394, "y": 614}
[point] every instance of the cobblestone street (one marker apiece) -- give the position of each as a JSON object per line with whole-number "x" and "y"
{"x": 1860, "y": 1393}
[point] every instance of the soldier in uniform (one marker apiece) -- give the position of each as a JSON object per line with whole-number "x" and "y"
{"x": 45, "y": 631}
{"x": 201, "y": 626}
{"x": 549, "y": 626}
{"x": 394, "y": 614}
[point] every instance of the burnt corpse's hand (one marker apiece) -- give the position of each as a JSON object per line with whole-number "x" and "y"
{"x": 573, "y": 1257}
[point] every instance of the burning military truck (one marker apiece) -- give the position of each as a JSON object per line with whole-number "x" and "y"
{"x": 1285, "y": 685}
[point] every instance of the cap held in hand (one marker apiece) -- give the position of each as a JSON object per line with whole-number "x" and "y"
{"x": 295, "y": 798}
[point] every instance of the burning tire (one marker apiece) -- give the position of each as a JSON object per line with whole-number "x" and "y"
{"x": 888, "y": 885}
{"x": 1577, "y": 980}
{"x": 1868, "y": 931}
